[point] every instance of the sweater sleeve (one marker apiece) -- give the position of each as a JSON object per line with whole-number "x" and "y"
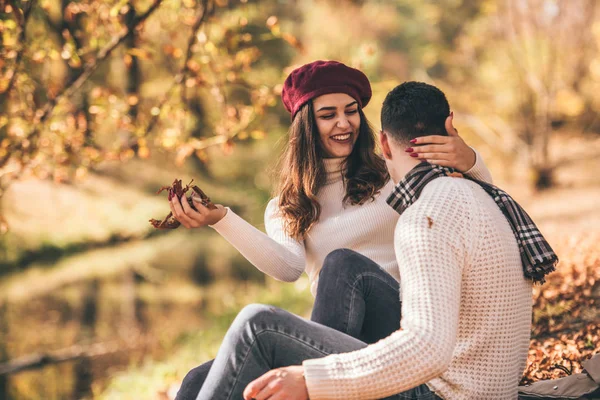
{"x": 430, "y": 249}
{"x": 275, "y": 253}
{"x": 479, "y": 170}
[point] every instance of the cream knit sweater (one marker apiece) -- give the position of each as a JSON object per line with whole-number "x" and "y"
{"x": 466, "y": 307}
{"x": 367, "y": 229}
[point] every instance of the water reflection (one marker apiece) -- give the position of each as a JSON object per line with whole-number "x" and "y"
{"x": 117, "y": 310}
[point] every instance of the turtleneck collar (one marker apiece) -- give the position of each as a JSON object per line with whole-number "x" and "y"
{"x": 333, "y": 168}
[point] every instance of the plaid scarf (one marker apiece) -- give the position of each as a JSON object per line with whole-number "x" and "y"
{"x": 536, "y": 254}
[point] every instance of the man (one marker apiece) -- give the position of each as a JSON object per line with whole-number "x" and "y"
{"x": 466, "y": 263}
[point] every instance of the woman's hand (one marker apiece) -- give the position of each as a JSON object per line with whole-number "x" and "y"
{"x": 191, "y": 218}
{"x": 447, "y": 151}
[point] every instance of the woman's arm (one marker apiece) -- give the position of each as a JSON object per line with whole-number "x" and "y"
{"x": 451, "y": 151}
{"x": 275, "y": 254}
{"x": 479, "y": 170}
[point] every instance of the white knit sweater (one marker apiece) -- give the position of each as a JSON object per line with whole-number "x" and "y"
{"x": 367, "y": 229}
{"x": 466, "y": 307}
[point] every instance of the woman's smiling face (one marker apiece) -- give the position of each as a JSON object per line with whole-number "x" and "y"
{"x": 338, "y": 121}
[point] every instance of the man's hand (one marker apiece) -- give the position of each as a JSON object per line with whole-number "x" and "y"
{"x": 447, "y": 151}
{"x": 279, "y": 384}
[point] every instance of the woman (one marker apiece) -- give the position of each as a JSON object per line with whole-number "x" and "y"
{"x": 331, "y": 198}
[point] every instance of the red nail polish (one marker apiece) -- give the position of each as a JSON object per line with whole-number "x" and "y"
{"x": 452, "y": 114}
{"x": 409, "y": 150}
{"x": 414, "y": 141}
{"x": 414, "y": 155}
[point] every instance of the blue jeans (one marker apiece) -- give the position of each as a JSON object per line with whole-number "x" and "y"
{"x": 357, "y": 297}
{"x": 262, "y": 338}
{"x": 354, "y": 296}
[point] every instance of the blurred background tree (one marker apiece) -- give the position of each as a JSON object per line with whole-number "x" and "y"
{"x": 80, "y": 83}
{"x": 535, "y": 60}
{"x": 103, "y": 102}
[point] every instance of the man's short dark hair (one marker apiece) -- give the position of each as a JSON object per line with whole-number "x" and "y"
{"x": 414, "y": 109}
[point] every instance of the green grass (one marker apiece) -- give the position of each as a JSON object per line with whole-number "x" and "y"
{"x": 153, "y": 377}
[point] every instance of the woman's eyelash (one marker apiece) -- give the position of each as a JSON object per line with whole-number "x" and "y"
{"x": 329, "y": 116}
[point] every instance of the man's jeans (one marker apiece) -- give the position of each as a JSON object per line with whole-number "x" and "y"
{"x": 355, "y": 296}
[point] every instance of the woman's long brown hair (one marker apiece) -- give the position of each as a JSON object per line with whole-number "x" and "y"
{"x": 302, "y": 172}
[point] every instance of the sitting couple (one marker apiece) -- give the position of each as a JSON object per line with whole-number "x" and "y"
{"x": 422, "y": 282}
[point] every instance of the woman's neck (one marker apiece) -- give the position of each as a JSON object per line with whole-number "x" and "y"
{"x": 333, "y": 168}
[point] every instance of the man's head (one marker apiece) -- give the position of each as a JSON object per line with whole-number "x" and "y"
{"x": 410, "y": 110}
{"x": 414, "y": 109}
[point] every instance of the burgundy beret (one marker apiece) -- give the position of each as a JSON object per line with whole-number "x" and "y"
{"x": 324, "y": 77}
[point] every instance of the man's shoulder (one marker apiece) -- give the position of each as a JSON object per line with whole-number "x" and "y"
{"x": 447, "y": 203}
{"x": 448, "y": 192}
{"x": 447, "y": 212}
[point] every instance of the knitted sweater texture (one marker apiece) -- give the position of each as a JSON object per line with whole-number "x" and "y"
{"x": 367, "y": 229}
{"x": 466, "y": 307}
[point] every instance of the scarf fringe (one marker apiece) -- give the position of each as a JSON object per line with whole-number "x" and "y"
{"x": 540, "y": 270}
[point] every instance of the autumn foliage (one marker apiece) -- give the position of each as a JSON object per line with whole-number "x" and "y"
{"x": 63, "y": 109}
{"x": 566, "y": 320}
{"x": 177, "y": 190}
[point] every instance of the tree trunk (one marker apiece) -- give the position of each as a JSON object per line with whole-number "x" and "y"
{"x": 133, "y": 306}
{"x": 133, "y": 68}
{"x": 4, "y": 393}
{"x": 544, "y": 172}
{"x": 83, "y": 367}
{"x": 544, "y": 177}
{"x": 72, "y": 26}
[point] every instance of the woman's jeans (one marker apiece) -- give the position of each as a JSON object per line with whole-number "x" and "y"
{"x": 357, "y": 297}
{"x": 262, "y": 338}
{"x": 354, "y": 296}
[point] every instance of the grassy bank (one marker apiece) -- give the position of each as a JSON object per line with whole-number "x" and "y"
{"x": 153, "y": 379}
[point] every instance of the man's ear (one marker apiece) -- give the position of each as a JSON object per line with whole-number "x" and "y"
{"x": 385, "y": 145}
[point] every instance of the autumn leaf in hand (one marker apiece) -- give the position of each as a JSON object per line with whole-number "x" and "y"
{"x": 177, "y": 190}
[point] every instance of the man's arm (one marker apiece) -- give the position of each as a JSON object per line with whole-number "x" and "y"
{"x": 430, "y": 247}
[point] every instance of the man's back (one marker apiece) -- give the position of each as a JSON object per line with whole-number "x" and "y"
{"x": 476, "y": 266}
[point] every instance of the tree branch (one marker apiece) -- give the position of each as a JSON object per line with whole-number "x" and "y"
{"x": 39, "y": 360}
{"x": 52, "y": 25}
{"x": 180, "y": 77}
{"x": 68, "y": 25}
{"x": 21, "y": 40}
{"x": 44, "y": 113}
